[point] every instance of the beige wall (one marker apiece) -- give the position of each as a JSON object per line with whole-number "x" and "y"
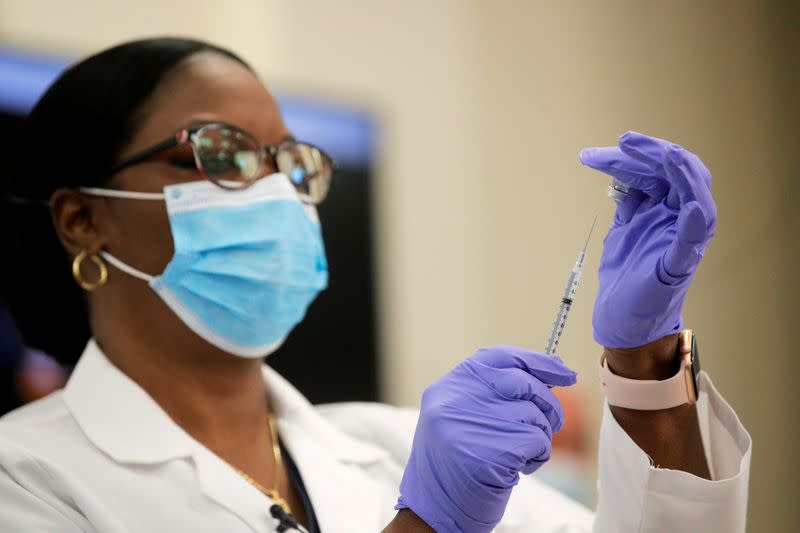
{"x": 484, "y": 107}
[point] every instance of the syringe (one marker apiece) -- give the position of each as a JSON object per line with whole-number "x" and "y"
{"x": 569, "y": 296}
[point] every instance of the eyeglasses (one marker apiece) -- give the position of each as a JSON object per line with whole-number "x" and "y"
{"x": 233, "y": 158}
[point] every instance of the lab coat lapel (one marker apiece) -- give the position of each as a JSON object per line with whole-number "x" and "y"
{"x": 225, "y": 486}
{"x": 344, "y": 497}
{"x": 332, "y": 465}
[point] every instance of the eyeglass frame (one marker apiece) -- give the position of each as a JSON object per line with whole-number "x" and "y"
{"x": 184, "y": 135}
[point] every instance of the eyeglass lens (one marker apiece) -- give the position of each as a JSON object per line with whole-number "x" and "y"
{"x": 308, "y": 168}
{"x": 228, "y": 157}
{"x": 233, "y": 159}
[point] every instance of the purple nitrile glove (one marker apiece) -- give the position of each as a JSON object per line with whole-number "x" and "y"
{"x": 656, "y": 241}
{"x": 490, "y": 418}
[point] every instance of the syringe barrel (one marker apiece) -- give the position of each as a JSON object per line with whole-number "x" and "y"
{"x": 572, "y": 285}
{"x": 566, "y": 304}
{"x": 558, "y": 327}
{"x": 574, "y": 277}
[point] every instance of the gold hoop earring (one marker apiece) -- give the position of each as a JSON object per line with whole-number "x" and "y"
{"x": 76, "y": 271}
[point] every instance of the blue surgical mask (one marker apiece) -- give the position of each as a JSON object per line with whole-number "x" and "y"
{"x": 247, "y": 263}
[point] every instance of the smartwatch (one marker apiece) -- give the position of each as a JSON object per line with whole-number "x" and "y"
{"x": 653, "y": 394}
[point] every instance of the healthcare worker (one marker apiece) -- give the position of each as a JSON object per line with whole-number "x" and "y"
{"x": 187, "y": 211}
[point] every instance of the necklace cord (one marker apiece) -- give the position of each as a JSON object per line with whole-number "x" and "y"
{"x": 273, "y": 494}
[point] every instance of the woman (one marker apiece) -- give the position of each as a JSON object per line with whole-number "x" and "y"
{"x": 198, "y": 250}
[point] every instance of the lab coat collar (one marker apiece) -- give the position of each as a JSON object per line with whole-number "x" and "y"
{"x": 118, "y": 416}
{"x": 122, "y": 420}
{"x": 295, "y": 414}
{"x": 333, "y": 465}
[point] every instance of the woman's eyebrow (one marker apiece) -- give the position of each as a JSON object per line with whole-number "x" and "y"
{"x": 198, "y": 122}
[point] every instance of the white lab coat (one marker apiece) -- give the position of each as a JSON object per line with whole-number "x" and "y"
{"x": 103, "y": 456}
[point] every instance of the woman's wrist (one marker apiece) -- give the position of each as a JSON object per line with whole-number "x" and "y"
{"x": 656, "y": 360}
{"x": 406, "y": 521}
{"x": 670, "y": 437}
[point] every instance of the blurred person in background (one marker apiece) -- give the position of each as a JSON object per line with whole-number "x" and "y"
{"x": 568, "y": 468}
{"x": 186, "y": 210}
{"x": 11, "y": 355}
{"x": 25, "y": 374}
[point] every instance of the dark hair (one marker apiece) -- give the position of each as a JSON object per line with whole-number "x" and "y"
{"x": 71, "y": 138}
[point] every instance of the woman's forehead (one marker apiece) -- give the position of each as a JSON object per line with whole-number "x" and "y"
{"x": 209, "y": 87}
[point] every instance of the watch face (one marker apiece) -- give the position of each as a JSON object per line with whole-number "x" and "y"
{"x": 695, "y": 363}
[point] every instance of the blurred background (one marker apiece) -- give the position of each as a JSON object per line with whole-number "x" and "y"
{"x": 462, "y": 204}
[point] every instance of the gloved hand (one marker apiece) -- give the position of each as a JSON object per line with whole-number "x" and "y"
{"x": 656, "y": 241}
{"x": 489, "y": 419}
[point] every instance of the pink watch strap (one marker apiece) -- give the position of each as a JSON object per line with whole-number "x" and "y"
{"x": 648, "y": 394}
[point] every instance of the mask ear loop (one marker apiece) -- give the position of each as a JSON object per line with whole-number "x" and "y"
{"x": 114, "y": 193}
{"x": 126, "y": 268}
{"x": 133, "y": 195}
